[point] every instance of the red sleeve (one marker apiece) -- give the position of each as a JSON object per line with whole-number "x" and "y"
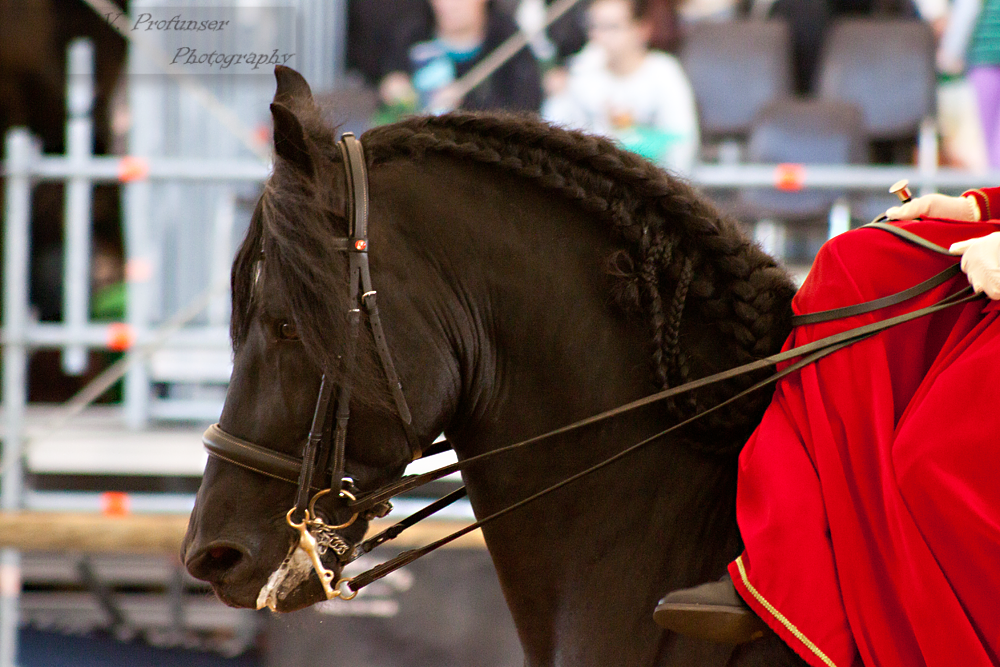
{"x": 988, "y": 200}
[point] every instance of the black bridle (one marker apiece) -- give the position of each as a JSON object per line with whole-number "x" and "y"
{"x": 322, "y": 467}
{"x": 327, "y": 439}
{"x": 325, "y": 446}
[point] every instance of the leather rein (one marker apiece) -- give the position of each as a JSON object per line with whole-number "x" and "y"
{"x": 321, "y": 469}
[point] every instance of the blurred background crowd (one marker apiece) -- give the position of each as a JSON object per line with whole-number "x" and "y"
{"x": 627, "y": 68}
{"x": 618, "y": 67}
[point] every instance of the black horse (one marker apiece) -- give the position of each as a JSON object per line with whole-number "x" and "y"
{"x": 528, "y": 277}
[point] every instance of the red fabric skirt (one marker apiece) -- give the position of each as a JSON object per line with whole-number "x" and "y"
{"x": 869, "y": 496}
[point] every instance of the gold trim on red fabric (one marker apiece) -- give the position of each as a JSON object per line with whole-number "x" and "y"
{"x": 815, "y": 650}
{"x": 983, "y": 202}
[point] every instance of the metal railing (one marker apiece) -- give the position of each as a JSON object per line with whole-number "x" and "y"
{"x": 858, "y": 178}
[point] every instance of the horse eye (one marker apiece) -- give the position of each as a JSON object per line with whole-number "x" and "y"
{"x": 286, "y": 331}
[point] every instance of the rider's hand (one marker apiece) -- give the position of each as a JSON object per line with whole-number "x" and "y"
{"x": 936, "y": 206}
{"x": 981, "y": 262}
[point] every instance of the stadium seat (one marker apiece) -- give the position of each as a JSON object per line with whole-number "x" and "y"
{"x": 736, "y": 68}
{"x": 886, "y": 68}
{"x": 804, "y": 132}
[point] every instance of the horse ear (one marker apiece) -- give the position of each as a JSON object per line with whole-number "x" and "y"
{"x": 290, "y": 138}
{"x": 292, "y": 87}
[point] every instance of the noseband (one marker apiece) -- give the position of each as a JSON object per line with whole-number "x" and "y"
{"x": 321, "y": 470}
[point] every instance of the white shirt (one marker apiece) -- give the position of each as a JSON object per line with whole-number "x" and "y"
{"x": 657, "y": 96}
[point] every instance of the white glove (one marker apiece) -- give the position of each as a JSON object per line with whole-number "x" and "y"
{"x": 981, "y": 262}
{"x": 937, "y": 206}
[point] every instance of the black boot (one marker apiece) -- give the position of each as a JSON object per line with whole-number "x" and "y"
{"x": 712, "y": 611}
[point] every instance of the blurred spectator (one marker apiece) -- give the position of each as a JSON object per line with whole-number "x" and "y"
{"x": 377, "y": 46}
{"x": 810, "y": 19}
{"x": 569, "y": 33}
{"x": 962, "y": 143}
{"x": 956, "y": 37}
{"x": 972, "y": 39}
{"x": 665, "y": 28}
{"x": 460, "y": 35}
{"x": 935, "y": 12}
{"x": 565, "y": 37}
{"x": 617, "y": 86}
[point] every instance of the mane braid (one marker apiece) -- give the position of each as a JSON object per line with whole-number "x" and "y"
{"x": 676, "y": 361}
{"x": 680, "y": 243}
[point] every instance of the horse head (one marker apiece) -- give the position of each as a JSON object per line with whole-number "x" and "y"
{"x": 291, "y": 326}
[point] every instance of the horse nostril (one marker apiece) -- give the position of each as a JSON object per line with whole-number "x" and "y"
{"x": 214, "y": 561}
{"x": 224, "y": 558}
{"x": 222, "y": 553}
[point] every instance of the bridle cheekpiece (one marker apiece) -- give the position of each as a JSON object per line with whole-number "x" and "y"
{"x": 322, "y": 468}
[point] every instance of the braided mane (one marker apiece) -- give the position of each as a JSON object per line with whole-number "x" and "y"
{"x": 681, "y": 257}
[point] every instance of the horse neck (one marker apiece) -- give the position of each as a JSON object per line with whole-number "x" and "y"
{"x": 581, "y": 569}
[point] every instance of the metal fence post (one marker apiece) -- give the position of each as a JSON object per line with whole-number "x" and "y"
{"x": 927, "y": 155}
{"x": 139, "y": 268}
{"x": 221, "y": 254}
{"x": 78, "y": 201}
{"x": 20, "y": 153}
{"x": 147, "y": 109}
{"x": 338, "y": 43}
{"x": 323, "y": 25}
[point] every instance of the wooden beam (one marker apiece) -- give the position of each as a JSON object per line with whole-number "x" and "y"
{"x": 156, "y": 533}
{"x": 92, "y": 532}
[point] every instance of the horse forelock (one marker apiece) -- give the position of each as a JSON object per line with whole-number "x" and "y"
{"x": 242, "y": 279}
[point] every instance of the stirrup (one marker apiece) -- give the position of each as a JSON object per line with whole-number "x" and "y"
{"x": 714, "y": 612}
